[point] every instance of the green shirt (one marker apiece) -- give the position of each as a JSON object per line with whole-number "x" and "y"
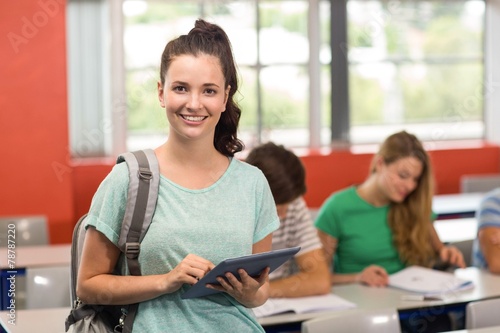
{"x": 362, "y": 232}
{"x": 221, "y": 221}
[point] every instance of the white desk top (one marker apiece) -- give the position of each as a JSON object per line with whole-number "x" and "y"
{"x": 487, "y": 285}
{"x": 36, "y": 256}
{"x": 455, "y": 230}
{"x": 492, "y": 329}
{"x": 36, "y": 320}
{"x": 458, "y": 203}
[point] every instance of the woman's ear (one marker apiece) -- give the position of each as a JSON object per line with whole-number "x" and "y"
{"x": 226, "y": 96}
{"x": 161, "y": 97}
{"x": 379, "y": 163}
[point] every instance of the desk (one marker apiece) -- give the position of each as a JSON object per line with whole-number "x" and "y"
{"x": 456, "y": 205}
{"x": 456, "y": 230}
{"x": 39, "y": 320}
{"x": 492, "y": 329}
{"x": 25, "y": 257}
{"x": 487, "y": 285}
{"x": 36, "y": 256}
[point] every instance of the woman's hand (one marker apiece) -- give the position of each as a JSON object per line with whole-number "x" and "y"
{"x": 374, "y": 276}
{"x": 244, "y": 290}
{"x": 452, "y": 256}
{"x": 191, "y": 269}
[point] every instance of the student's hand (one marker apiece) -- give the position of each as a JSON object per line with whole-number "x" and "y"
{"x": 191, "y": 269}
{"x": 243, "y": 291}
{"x": 452, "y": 256}
{"x": 374, "y": 276}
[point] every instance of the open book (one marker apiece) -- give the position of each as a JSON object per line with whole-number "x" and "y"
{"x": 328, "y": 302}
{"x": 427, "y": 281}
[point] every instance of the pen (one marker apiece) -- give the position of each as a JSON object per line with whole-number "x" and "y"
{"x": 420, "y": 298}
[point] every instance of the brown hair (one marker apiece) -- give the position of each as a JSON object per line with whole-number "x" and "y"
{"x": 210, "y": 39}
{"x": 284, "y": 171}
{"x": 410, "y": 220}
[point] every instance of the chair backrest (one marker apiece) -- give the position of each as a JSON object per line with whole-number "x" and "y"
{"x": 355, "y": 321}
{"x": 28, "y": 230}
{"x": 465, "y": 247}
{"x": 479, "y": 183}
{"x": 48, "y": 287}
{"x": 482, "y": 313}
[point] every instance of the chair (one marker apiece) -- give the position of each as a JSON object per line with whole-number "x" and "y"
{"x": 479, "y": 314}
{"x": 465, "y": 247}
{"x": 479, "y": 183}
{"x": 48, "y": 287}
{"x": 28, "y": 230}
{"x": 355, "y": 321}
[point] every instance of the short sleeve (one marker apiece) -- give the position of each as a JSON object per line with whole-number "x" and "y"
{"x": 326, "y": 220}
{"x": 267, "y": 219}
{"x": 109, "y": 202}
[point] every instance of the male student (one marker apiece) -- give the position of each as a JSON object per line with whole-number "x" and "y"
{"x": 486, "y": 248}
{"x": 307, "y": 273}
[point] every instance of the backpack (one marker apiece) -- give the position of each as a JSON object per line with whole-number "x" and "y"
{"x": 144, "y": 178}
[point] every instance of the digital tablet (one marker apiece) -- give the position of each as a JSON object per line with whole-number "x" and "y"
{"x": 253, "y": 264}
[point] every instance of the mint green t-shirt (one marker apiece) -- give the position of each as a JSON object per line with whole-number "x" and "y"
{"x": 362, "y": 231}
{"x": 221, "y": 221}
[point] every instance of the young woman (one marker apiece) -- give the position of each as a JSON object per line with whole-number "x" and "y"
{"x": 384, "y": 224}
{"x": 211, "y": 206}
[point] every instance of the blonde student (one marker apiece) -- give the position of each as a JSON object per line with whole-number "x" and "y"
{"x": 307, "y": 273}
{"x": 211, "y": 206}
{"x": 385, "y": 224}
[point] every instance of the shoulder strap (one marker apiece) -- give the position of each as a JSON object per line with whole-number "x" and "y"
{"x": 144, "y": 179}
{"x": 76, "y": 250}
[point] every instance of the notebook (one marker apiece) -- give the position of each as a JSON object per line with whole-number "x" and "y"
{"x": 253, "y": 264}
{"x": 428, "y": 281}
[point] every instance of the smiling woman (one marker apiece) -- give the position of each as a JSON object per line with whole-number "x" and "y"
{"x": 385, "y": 223}
{"x": 194, "y": 100}
{"x": 196, "y": 206}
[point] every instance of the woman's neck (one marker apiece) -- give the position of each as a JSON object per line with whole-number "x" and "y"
{"x": 370, "y": 192}
{"x": 192, "y": 166}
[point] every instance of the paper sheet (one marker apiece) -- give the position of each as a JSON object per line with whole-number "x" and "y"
{"x": 328, "y": 302}
{"x": 427, "y": 281}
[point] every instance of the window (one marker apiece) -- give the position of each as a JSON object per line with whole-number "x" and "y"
{"x": 417, "y": 65}
{"x": 270, "y": 43}
{"x": 338, "y": 71}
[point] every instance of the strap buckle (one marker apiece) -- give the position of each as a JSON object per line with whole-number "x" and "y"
{"x": 132, "y": 250}
{"x": 145, "y": 174}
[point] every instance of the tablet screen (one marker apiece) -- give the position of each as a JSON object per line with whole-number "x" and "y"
{"x": 253, "y": 264}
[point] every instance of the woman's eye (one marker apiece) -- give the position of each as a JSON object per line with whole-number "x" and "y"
{"x": 179, "y": 88}
{"x": 403, "y": 175}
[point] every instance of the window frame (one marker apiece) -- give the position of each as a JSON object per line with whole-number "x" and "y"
{"x": 110, "y": 113}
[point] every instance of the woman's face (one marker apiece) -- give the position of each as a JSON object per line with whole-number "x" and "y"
{"x": 194, "y": 96}
{"x": 399, "y": 178}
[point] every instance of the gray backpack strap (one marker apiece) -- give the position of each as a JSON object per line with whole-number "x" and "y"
{"x": 144, "y": 179}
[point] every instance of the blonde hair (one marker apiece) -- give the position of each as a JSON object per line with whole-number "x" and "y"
{"x": 410, "y": 220}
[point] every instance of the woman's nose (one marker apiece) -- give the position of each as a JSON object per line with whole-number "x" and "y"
{"x": 194, "y": 102}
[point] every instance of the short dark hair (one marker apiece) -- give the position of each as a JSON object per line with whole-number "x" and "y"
{"x": 283, "y": 169}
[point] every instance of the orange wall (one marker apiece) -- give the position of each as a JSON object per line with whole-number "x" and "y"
{"x": 37, "y": 175}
